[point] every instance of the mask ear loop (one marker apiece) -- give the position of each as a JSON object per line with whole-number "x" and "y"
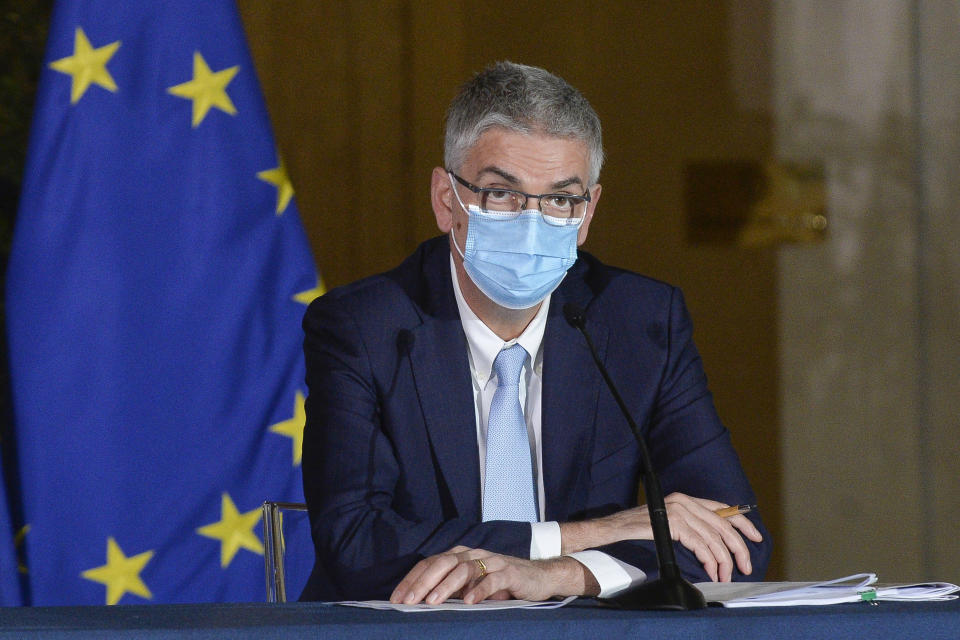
{"x": 463, "y": 207}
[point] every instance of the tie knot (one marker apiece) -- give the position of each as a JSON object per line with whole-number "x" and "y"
{"x": 508, "y": 364}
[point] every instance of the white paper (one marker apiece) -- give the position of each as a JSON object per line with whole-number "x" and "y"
{"x": 457, "y": 605}
{"x": 855, "y": 588}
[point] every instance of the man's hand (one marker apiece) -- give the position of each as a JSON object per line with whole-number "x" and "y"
{"x": 717, "y": 542}
{"x": 457, "y": 573}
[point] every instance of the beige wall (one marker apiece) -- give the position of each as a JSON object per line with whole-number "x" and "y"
{"x": 357, "y": 92}
{"x": 869, "y": 330}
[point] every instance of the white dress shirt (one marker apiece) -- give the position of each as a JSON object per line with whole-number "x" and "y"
{"x": 483, "y": 345}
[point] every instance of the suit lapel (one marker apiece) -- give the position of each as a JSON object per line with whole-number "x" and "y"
{"x": 570, "y": 387}
{"x": 441, "y": 373}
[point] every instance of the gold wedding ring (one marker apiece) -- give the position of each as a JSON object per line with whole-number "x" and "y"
{"x": 482, "y": 567}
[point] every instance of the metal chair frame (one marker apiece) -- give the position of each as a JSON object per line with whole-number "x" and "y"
{"x": 275, "y": 547}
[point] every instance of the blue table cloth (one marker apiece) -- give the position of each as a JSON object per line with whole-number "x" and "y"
{"x": 582, "y": 620}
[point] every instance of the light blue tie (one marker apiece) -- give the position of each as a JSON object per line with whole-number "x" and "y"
{"x": 508, "y": 484}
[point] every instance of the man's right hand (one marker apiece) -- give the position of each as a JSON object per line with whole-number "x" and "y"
{"x": 717, "y": 542}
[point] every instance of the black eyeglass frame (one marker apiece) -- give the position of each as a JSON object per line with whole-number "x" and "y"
{"x": 584, "y": 198}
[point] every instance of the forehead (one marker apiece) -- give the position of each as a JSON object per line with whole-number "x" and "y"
{"x": 533, "y": 159}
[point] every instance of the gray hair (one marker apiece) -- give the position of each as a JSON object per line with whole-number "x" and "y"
{"x": 524, "y": 99}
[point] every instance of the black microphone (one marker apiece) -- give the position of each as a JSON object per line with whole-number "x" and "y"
{"x": 670, "y": 591}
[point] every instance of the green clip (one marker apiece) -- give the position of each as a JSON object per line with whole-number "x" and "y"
{"x": 869, "y": 595}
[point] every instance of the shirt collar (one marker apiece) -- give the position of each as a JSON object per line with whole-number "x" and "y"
{"x": 484, "y": 344}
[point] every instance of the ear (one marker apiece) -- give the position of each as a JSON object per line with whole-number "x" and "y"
{"x": 588, "y": 216}
{"x": 441, "y": 197}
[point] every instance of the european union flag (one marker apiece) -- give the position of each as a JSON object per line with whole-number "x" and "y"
{"x": 156, "y": 285}
{"x": 10, "y": 595}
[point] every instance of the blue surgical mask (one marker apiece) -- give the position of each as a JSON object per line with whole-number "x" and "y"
{"x": 516, "y": 262}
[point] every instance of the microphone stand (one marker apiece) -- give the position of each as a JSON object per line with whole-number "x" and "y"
{"x": 670, "y": 591}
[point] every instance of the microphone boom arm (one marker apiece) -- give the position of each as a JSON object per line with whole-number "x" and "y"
{"x": 671, "y": 591}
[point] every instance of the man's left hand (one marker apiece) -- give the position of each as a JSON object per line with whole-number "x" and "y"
{"x": 457, "y": 573}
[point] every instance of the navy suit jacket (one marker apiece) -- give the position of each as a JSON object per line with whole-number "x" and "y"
{"x": 390, "y": 460}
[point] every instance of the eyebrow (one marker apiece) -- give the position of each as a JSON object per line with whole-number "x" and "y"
{"x": 515, "y": 181}
{"x": 566, "y": 183}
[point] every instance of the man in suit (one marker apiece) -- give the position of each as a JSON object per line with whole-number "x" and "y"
{"x": 459, "y": 440}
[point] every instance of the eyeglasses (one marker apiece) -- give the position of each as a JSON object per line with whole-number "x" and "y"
{"x": 560, "y": 209}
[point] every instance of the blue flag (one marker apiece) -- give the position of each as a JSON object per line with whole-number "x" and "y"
{"x": 157, "y": 280}
{"x": 10, "y": 595}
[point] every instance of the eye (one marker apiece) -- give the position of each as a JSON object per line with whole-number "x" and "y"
{"x": 499, "y": 200}
{"x": 558, "y": 201}
{"x": 499, "y": 196}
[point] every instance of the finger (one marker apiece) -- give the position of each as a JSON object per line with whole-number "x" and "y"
{"x": 723, "y": 541}
{"x": 692, "y": 541}
{"x": 724, "y": 555}
{"x": 735, "y": 543}
{"x": 492, "y": 583}
{"x": 693, "y": 503}
{"x": 439, "y": 570}
{"x": 700, "y": 514}
{"x": 741, "y": 522}
{"x": 731, "y": 538}
{"x": 436, "y": 570}
{"x": 417, "y": 572}
{"x": 729, "y": 530}
{"x": 733, "y": 529}
{"x": 746, "y": 527}
{"x": 726, "y": 545}
{"x": 400, "y": 591}
{"x": 703, "y": 541}
{"x": 454, "y": 581}
{"x": 683, "y": 498}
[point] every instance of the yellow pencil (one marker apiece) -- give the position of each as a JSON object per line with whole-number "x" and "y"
{"x": 735, "y": 510}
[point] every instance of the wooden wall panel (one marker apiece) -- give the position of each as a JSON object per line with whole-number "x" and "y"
{"x": 335, "y": 76}
{"x": 357, "y": 93}
{"x": 437, "y": 69}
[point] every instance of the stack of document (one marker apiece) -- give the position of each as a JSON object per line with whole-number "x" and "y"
{"x": 856, "y": 588}
{"x": 457, "y": 605}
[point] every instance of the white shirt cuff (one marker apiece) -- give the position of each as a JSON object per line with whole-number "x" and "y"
{"x": 613, "y": 575}
{"x": 544, "y": 540}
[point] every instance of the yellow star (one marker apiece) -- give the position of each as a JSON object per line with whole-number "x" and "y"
{"x": 234, "y": 530}
{"x": 121, "y": 574}
{"x": 207, "y": 89}
{"x": 278, "y": 177}
{"x": 308, "y": 296}
{"x": 87, "y": 66}
{"x": 293, "y": 428}
{"x": 18, "y": 543}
